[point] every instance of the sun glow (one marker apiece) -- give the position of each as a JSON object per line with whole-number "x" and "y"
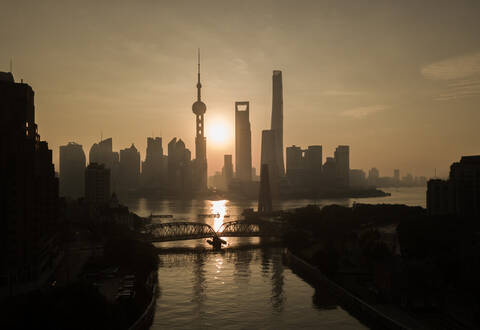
{"x": 217, "y": 132}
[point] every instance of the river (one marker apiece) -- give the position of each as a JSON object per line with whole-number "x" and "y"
{"x": 246, "y": 285}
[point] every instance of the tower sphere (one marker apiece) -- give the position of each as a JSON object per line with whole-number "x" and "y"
{"x": 199, "y": 108}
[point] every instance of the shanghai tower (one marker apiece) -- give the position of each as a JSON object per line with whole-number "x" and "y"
{"x": 277, "y": 119}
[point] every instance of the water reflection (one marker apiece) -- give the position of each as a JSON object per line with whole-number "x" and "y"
{"x": 219, "y": 209}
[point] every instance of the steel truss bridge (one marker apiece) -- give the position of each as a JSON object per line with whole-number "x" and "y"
{"x": 177, "y": 231}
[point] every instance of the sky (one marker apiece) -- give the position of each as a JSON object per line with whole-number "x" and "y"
{"x": 398, "y": 81}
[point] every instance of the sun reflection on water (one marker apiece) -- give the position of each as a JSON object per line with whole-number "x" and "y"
{"x": 220, "y": 209}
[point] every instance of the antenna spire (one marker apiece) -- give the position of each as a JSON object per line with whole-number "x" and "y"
{"x": 199, "y": 85}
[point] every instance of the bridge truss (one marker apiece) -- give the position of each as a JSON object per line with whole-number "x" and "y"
{"x": 176, "y": 231}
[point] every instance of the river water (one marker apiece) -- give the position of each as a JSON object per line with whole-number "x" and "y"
{"x": 245, "y": 285}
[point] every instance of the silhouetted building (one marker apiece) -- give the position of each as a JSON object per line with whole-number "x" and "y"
{"x": 243, "y": 142}
{"x": 342, "y": 160}
{"x": 277, "y": 121}
{"x": 102, "y": 153}
{"x": 29, "y": 203}
{"x": 461, "y": 192}
{"x": 154, "y": 168}
{"x": 330, "y": 172}
{"x": 265, "y": 196}
{"x": 199, "y": 108}
{"x": 72, "y": 170}
{"x": 437, "y": 197}
{"x": 313, "y": 161}
{"x": 227, "y": 169}
{"x": 304, "y": 167}
{"x": 269, "y": 155}
{"x": 129, "y": 168}
{"x": 373, "y": 175}
{"x": 396, "y": 176}
{"x": 357, "y": 178}
{"x": 179, "y": 167}
{"x": 97, "y": 184}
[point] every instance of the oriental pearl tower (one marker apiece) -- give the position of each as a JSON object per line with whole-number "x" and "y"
{"x": 199, "y": 108}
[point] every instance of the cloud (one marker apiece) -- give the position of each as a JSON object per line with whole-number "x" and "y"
{"x": 461, "y": 76}
{"x": 362, "y": 112}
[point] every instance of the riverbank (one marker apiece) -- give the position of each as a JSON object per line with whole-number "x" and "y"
{"x": 368, "y": 314}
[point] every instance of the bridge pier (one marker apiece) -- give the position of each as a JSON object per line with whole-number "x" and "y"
{"x": 216, "y": 242}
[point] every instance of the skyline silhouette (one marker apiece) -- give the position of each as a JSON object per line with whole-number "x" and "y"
{"x": 378, "y": 77}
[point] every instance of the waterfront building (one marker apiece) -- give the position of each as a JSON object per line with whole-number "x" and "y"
{"x": 102, "y": 153}
{"x": 227, "y": 170}
{"x": 313, "y": 161}
{"x": 460, "y": 194}
{"x": 72, "y": 170}
{"x": 269, "y": 155}
{"x": 97, "y": 184}
{"x": 277, "y": 121}
{"x": 179, "y": 167}
{"x": 129, "y": 168}
{"x": 330, "y": 172}
{"x": 342, "y": 161}
{"x": 29, "y": 209}
{"x": 373, "y": 176}
{"x": 243, "y": 142}
{"x": 358, "y": 178}
{"x": 154, "y": 168}
{"x": 200, "y": 163}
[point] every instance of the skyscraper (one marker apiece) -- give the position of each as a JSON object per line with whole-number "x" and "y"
{"x": 243, "y": 142}
{"x": 277, "y": 120}
{"x": 102, "y": 153}
{"x": 154, "y": 168}
{"x": 29, "y": 203}
{"x": 199, "y": 108}
{"x": 227, "y": 169}
{"x": 97, "y": 184}
{"x": 269, "y": 155}
{"x": 342, "y": 160}
{"x": 72, "y": 170}
{"x": 129, "y": 167}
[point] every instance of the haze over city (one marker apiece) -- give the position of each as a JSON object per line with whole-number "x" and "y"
{"x": 397, "y": 81}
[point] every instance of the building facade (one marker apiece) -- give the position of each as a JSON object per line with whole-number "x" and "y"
{"x": 97, "y": 184}
{"x": 243, "y": 142}
{"x": 72, "y": 170}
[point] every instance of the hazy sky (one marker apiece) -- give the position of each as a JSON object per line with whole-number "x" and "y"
{"x": 398, "y": 81}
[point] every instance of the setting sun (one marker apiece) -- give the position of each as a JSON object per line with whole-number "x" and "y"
{"x": 217, "y": 132}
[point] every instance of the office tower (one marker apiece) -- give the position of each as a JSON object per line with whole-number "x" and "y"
{"x": 342, "y": 160}
{"x": 268, "y": 155}
{"x": 72, "y": 170}
{"x": 29, "y": 203}
{"x": 438, "y": 197}
{"x": 314, "y": 160}
{"x": 227, "y": 169}
{"x": 464, "y": 186}
{"x": 294, "y": 160}
{"x": 396, "y": 176}
{"x": 129, "y": 168}
{"x": 277, "y": 120}
{"x": 199, "y": 108}
{"x": 264, "y": 195}
{"x": 243, "y": 142}
{"x": 330, "y": 172}
{"x": 154, "y": 168}
{"x": 373, "y": 176}
{"x": 102, "y": 153}
{"x": 179, "y": 167}
{"x": 357, "y": 178}
{"x": 97, "y": 184}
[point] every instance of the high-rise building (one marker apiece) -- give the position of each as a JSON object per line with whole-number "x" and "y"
{"x": 314, "y": 160}
{"x": 269, "y": 156}
{"x": 277, "y": 120}
{"x": 330, "y": 172}
{"x": 199, "y": 108}
{"x": 102, "y": 153}
{"x": 264, "y": 195}
{"x": 154, "y": 168}
{"x": 243, "y": 142}
{"x": 373, "y": 176}
{"x": 357, "y": 178}
{"x": 97, "y": 184}
{"x": 342, "y": 160}
{"x": 227, "y": 169}
{"x": 72, "y": 170}
{"x": 179, "y": 167}
{"x": 29, "y": 204}
{"x": 294, "y": 160}
{"x": 129, "y": 168}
